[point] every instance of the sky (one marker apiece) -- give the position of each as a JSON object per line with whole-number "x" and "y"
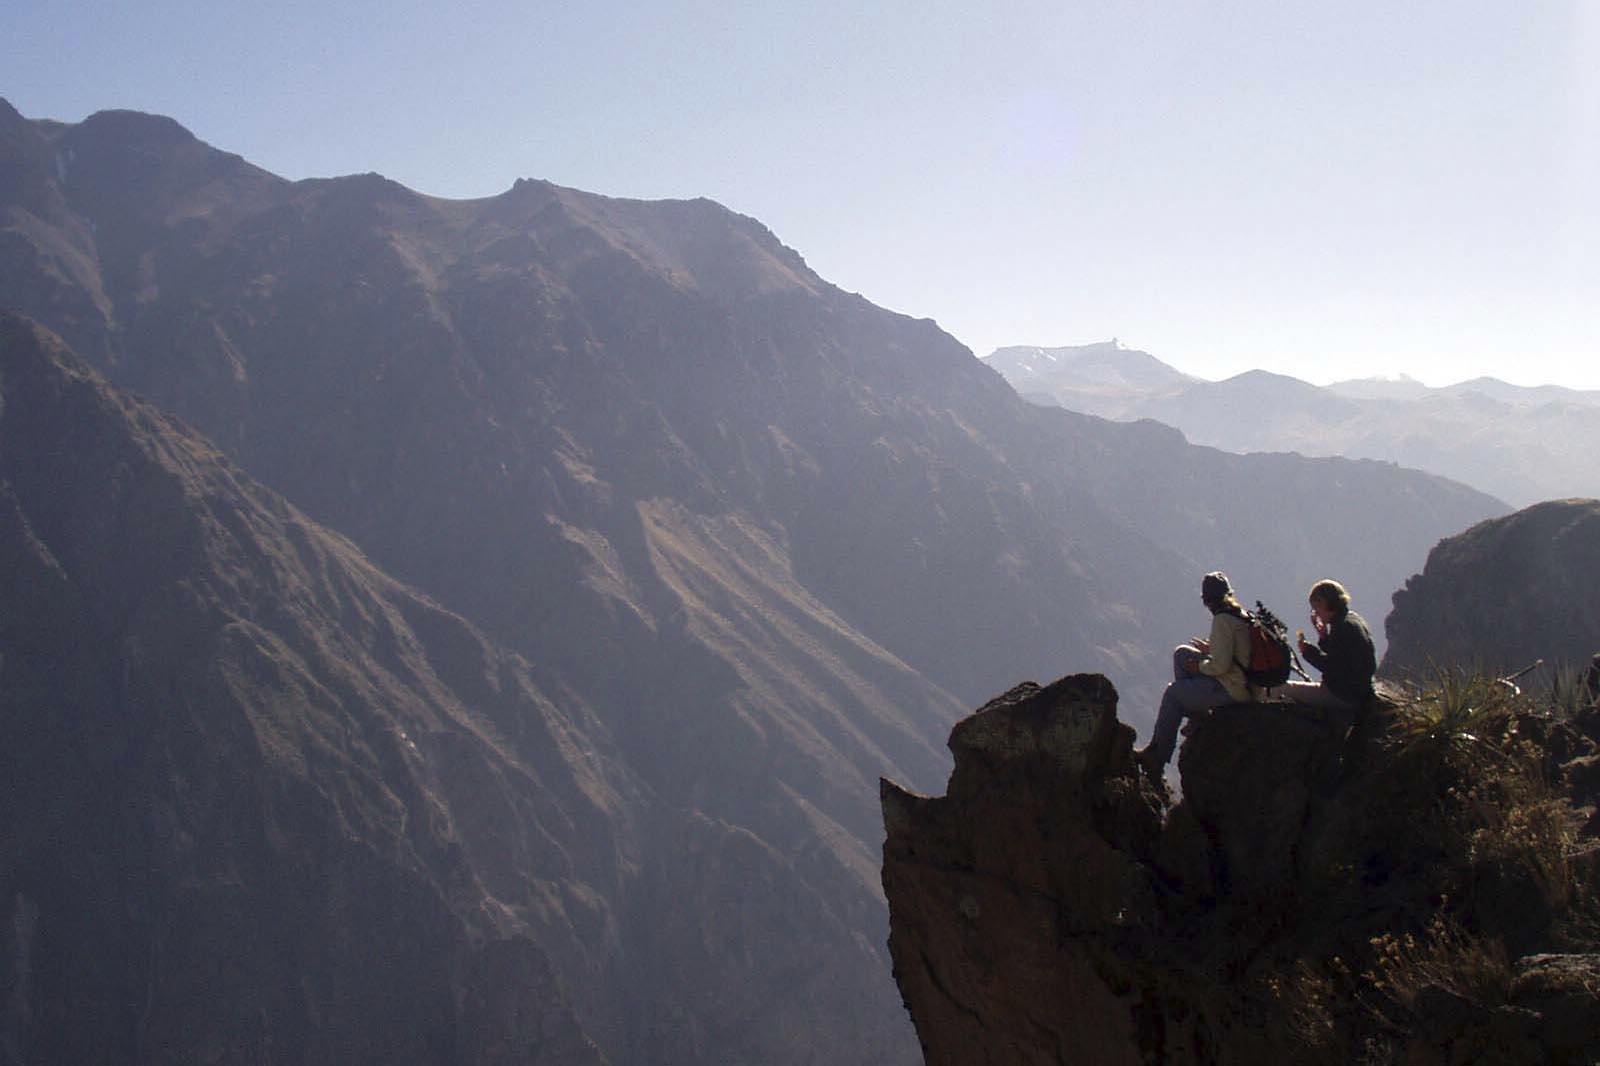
{"x": 1322, "y": 190}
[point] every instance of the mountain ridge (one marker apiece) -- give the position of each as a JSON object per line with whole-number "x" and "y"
{"x": 770, "y": 538}
{"x": 508, "y": 832}
{"x": 1516, "y": 443}
{"x": 259, "y": 756}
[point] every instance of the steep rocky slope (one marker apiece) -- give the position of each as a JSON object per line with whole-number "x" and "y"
{"x": 1419, "y": 894}
{"x": 257, "y": 794}
{"x": 770, "y": 537}
{"x": 265, "y": 803}
{"x": 484, "y": 395}
{"x": 1503, "y": 594}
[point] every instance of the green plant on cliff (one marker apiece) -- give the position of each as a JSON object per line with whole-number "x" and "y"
{"x": 1455, "y": 705}
{"x": 1467, "y": 786}
{"x": 1479, "y": 745}
{"x": 1569, "y": 690}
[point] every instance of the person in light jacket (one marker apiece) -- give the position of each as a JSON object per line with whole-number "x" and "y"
{"x": 1205, "y": 673}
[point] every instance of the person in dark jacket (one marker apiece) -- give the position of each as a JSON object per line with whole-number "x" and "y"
{"x": 1343, "y": 652}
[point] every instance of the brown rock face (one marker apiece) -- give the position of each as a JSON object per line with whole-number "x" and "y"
{"x": 1504, "y": 593}
{"x": 1316, "y": 897}
{"x": 1035, "y": 849}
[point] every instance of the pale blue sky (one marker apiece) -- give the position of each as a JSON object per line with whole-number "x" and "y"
{"x": 1326, "y": 190}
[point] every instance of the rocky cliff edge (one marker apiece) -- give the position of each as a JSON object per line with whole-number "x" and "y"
{"x": 1422, "y": 890}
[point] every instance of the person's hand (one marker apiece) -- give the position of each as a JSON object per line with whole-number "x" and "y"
{"x": 1203, "y": 645}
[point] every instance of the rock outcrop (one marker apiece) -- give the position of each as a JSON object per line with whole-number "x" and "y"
{"x": 1314, "y": 897}
{"x": 1505, "y": 593}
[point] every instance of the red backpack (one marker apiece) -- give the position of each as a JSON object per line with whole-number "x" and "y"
{"x": 1270, "y": 654}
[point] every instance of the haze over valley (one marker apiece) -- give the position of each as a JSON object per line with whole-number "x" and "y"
{"x": 554, "y": 571}
{"x": 1519, "y": 444}
{"x": 510, "y": 556}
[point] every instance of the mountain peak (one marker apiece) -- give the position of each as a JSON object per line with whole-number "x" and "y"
{"x": 137, "y": 127}
{"x": 1485, "y": 381}
{"x": 1267, "y": 377}
{"x": 1107, "y": 371}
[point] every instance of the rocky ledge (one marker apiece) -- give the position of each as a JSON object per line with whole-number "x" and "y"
{"x": 1400, "y": 894}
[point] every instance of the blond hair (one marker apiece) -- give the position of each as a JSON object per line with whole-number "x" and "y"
{"x": 1331, "y": 593}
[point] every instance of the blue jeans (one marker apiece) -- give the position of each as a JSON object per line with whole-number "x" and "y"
{"x": 1187, "y": 694}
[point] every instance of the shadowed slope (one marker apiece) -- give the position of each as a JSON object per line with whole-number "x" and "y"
{"x": 760, "y": 527}
{"x": 244, "y": 807}
{"x": 260, "y": 794}
{"x": 1503, "y": 594}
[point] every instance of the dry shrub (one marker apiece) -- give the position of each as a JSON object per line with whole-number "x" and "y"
{"x": 1305, "y": 1000}
{"x": 1445, "y": 956}
{"x": 1480, "y": 799}
{"x": 1502, "y": 815}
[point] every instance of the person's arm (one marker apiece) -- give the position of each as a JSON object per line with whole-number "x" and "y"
{"x": 1220, "y": 657}
{"x": 1337, "y": 646}
{"x": 1314, "y": 654}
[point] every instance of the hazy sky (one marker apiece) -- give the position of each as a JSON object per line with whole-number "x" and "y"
{"x": 1326, "y": 190}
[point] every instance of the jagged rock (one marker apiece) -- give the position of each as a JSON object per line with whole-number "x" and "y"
{"x": 1551, "y": 1017}
{"x": 1249, "y": 779}
{"x": 1303, "y": 902}
{"x": 1009, "y": 893}
{"x": 1563, "y": 991}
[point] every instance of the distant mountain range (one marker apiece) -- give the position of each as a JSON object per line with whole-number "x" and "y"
{"x": 558, "y": 573}
{"x": 1519, "y": 444}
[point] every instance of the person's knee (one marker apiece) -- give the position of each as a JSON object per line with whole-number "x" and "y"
{"x": 1195, "y": 694}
